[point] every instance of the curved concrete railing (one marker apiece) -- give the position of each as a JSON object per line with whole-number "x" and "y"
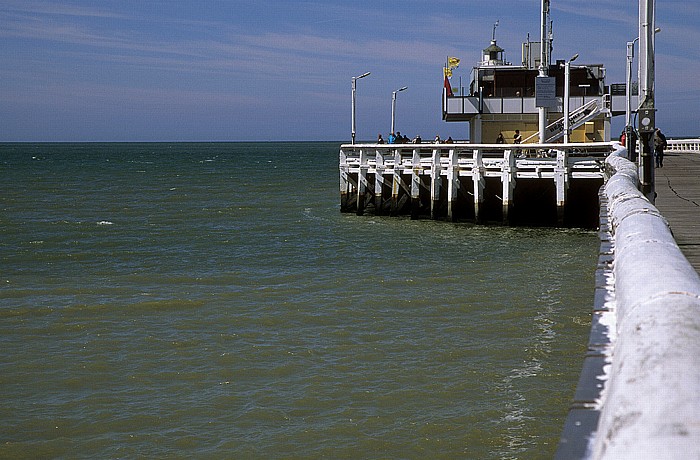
{"x": 651, "y": 402}
{"x": 646, "y": 384}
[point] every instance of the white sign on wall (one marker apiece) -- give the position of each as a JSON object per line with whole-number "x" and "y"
{"x": 546, "y": 92}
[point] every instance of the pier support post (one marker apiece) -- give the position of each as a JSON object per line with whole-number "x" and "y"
{"x": 479, "y": 183}
{"x": 452, "y": 186}
{"x": 344, "y": 183}
{"x": 379, "y": 183}
{"x": 396, "y": 185}
{"x": 561, "y": 178}
{"x": 415, "y": 184}
{"x": 434, "y": 183}
{"x": 362, "y": 183}
{"x": 508, "y": 173}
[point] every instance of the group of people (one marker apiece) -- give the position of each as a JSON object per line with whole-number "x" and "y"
{"x": 517, "y": 138}
{"x": 660, "y": 143}
{"x": 398, "y": 138}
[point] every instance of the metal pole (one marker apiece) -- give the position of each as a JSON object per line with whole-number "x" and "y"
{"x": 647, "y": 110}
{"x": 567, "y": 91}
{"x": 628, "y": 88}
{"x": 393, "y": 107}
{"x": 629, "y": 129}
{"x": 354, "y": 90}
{"x": 544, "y": 64}
{"x": 393, "y": 110}
{"x": 354, "y": 79}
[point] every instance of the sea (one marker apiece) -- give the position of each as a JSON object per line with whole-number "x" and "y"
{"x": 210, "y": 300}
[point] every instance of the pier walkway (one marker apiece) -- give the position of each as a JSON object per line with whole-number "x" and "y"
{"x": 678, "y": 199}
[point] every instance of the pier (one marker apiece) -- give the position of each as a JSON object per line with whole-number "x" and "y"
{"x": 520, "y": 184}
{"x": 678, "y": 195}
{"x": 637, "y": 396}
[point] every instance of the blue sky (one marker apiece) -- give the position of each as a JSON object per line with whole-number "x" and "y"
{"x": 237, "y": 70}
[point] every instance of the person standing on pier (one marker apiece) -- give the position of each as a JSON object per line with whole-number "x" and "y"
{"x": 517, "y": 139}
{"x": 380, "y": 139}
{"x": 659, "y": 145}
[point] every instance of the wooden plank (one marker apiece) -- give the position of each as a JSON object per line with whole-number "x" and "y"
{"x": 678, "y": 199}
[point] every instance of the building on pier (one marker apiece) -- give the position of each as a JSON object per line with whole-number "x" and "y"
{"x": 549, "y": 176}
{"x": 503, "y": 97}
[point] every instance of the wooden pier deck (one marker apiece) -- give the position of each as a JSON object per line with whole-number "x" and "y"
{"x": 678, "y": 199}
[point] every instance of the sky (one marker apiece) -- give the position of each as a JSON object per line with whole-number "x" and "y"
{"x": 264, "y": 70}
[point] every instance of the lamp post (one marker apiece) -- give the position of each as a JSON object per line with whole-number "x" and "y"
{"x": 628, "y": 89}
{"x": 631, "y": 147}
{"x": 393, "y": 107}
{"x": 567, "y": 84}
{"x": 646, "y": 98}
{"x": 354, "y": 90}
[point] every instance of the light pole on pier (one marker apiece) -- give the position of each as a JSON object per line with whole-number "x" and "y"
{"x": 544, "y": 65}
{"x": 567, "y": 90}
{"x": 393, "y": 107}
{"x": 646, "y": 108}
{"x": 354, "y": 90}
{"x": 629, "y": 129}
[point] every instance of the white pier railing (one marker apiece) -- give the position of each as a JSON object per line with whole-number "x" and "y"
{"x": 421, "y": 176}
{"x": 683, "y": 145}
{"x": 638, "y": 393}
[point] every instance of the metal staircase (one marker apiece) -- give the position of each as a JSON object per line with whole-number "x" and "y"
{"x": 577, "y": 118}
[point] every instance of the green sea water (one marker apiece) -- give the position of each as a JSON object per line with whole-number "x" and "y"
{"x": 210, "y": 301}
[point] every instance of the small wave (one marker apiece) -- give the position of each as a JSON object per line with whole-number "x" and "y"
{"x": 105, "y": 222}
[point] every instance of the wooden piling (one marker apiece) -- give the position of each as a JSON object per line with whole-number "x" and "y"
{"x": 415, "y": 184}
{"x": 479, "y": 184}
{"x": 362, "y": 183}
{"x": 452, "y": 186}
{"x": 508, "y": 170}
{"x": 379, "y": 183}
{"x": 435, "y": 183}
{"x": 561, "y": 178}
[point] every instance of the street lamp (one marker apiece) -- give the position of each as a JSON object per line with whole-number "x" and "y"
{"x": 567, "y": 83}
{"x": 354, "y": 85}
{"x": 628, "y": 98}
{"x": 393, "y": 107}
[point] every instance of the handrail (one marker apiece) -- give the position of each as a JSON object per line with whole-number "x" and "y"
{"x": 649, "y": 406}
{"x": 465, "y": 146}
{"x": 683, "y": 145}
{"x": 578, "y": 116}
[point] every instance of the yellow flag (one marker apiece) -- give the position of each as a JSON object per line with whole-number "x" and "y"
{"x": 448, "y": 72}
{"x": 453, "y": 62}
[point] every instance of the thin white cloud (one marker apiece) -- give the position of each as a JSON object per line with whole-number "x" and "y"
{"x": 55, "y": 8}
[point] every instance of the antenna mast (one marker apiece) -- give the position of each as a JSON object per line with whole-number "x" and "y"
{"x": 544, "y": 65}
